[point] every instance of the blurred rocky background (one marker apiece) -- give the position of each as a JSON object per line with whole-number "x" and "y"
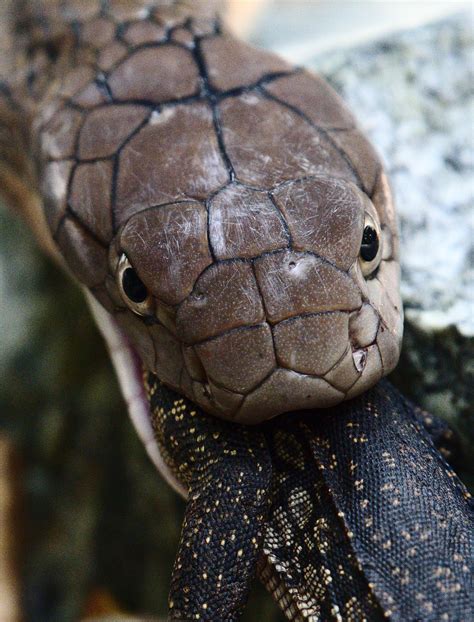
{"x": 96, "y": 526}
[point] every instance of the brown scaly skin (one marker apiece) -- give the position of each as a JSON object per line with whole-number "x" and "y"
{"x": 235, "y": 189}
{"x": 235, "y": 186}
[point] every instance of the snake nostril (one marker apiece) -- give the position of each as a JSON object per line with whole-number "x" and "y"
{"x": 207, "y": 391}
{"x": 292, "y": 265}
{"x": 200, "y": 297}
{"x": 360, "y": 359}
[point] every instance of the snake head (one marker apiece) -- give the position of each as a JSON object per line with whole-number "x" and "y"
{"x": 256, "y": 303}
{"x": 235, "y": 222}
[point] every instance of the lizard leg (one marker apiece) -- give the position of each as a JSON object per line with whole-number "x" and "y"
{"x": 226, "y": 469}
{"x": 368, "y": 520}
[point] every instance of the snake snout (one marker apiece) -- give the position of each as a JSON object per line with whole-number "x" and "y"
{"x": 273, "y": 335}
{"x": 258, "y": 302}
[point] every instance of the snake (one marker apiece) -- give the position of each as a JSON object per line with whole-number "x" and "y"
{"x": 235, "y": 235}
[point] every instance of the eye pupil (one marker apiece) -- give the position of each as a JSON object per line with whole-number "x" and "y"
{"x": 133, "y": 286}
{"x": 370, "y": 244}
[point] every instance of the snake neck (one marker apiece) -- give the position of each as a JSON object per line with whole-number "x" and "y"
{"x": 57, "y": 54}
{"x": 45, "y": 40}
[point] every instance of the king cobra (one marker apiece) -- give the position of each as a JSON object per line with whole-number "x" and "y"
{"x": 236, "y": 238}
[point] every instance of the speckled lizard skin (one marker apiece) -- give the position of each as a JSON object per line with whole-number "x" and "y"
{"x": 226, "y": 211}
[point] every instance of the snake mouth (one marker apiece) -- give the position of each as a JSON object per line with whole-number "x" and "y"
{"x": 253, "y": 373}
{"x": 314, "y": 360}
{"x": 287, "y": 330}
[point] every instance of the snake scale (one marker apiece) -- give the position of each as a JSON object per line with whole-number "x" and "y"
{"x": 237, "y": 237}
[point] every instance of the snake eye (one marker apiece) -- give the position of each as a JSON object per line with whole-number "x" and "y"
{"x": 134, "y": 291}
{"x": 133, "y": 287}
{"x": 370, "y": 244}
{"x": 370, "y": 248}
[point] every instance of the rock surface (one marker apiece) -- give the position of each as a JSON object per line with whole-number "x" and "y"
{"x": 98, "y": 514}
{"x": 413, "y": 94}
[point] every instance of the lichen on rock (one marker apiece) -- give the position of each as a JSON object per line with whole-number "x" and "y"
{"x": 412, "y": 93}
